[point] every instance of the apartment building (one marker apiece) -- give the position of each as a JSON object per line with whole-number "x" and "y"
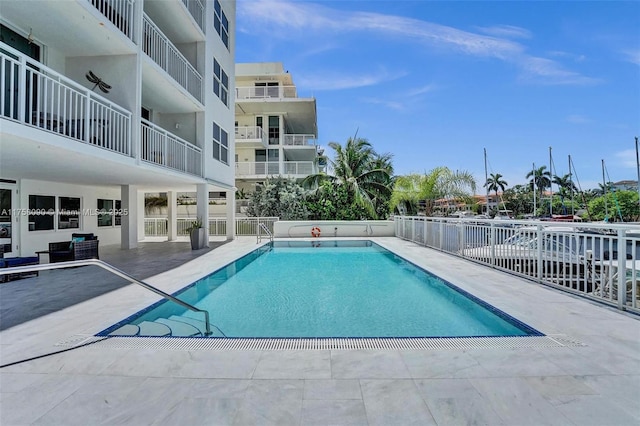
{"x": 105, "y": 100}
{"x": 275, "y": 128}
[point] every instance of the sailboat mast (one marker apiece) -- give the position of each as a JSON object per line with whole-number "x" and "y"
{"x": 550, "y": 184}
{"x": 604, "y": 189}
{"x": 486, "y": 181}
{"x": 638, "y": 167}
{"x": 571, "y": 187}
{"x": 533, "y": 171}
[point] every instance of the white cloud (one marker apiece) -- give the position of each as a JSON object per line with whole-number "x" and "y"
{"x": 506, "y": 31}
{"x": 422, "y": 90}
{"x": 632, "y": 56}
{"x": 546, "y": 71}
{"x": 279, "y": 18}
{"x": 626, "y": 158}
{"x": 338, "y": 81}
{"x": 577, "y": 119}
{"x": 389, "y": 104}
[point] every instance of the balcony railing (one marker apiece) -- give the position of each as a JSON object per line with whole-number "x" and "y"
{"x": 160, "y": 49}
{"x": 39, "y": 96}
{"x": 165, "y": 149}
{"x": 299, "y": 140}
{"x": 250, "y": 133}
{"x": 118, "y": 12}
{"x": 262, "y": 92}
{"x": 196, "y": 9}
{"x": 272, "y": 168}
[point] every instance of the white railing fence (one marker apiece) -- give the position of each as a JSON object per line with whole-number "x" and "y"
{"x": 196, "y": 9}
{"x": 260, "y": 168}
{"x": 260, "y": 92}
{"x": 251, "y": 132}
{"x": 591, "y": 260}
{"x": 298, "y": 168}
{"x": 166, "y": 149}
{"x": 160, "y": 49}
{"x": 118, "y": 12}
{"x": 39, "y": 96}
{"x": 299, "y": 140}
{"x": 245, "y": 226}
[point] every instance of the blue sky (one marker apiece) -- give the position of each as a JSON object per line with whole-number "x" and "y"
{"x": 435, "y": 83}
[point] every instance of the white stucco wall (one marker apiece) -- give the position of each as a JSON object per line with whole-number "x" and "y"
{"x": 32, "y": 241}
{"x": 333, "y": 228}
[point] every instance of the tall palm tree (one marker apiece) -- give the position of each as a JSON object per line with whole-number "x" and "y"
{"x": 493, "y": 183}
{"x": 440, "y": 182}
{"x": 365, "y": 173}
{"x": 565, "y": 184}
{"x": 540, "y": 178}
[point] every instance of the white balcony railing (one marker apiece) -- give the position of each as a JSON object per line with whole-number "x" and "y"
{"x": 590, "y": 260}
{"x": 196, "y": 9}
{"x": 260, "y": 168}
{"x": 39, "y": 96}
{"x": 244, "y": 133}
{"x": 168, "y": 150}
{"x": 160, "y": 49}
{"x": 298, "y": 168}
{"x": 118, "y": 12}
{"x": 299, "y": 140}
{"x": 272, "y": 168}
{"x": 262, "y": 92}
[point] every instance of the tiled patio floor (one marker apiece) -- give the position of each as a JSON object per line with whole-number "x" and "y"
{"x": 594, "y": 384}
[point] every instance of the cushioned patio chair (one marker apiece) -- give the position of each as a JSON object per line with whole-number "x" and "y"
{"x": 82, "y": 246}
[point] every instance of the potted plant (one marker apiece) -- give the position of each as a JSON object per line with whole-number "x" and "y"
{"x": 197, "y": 234}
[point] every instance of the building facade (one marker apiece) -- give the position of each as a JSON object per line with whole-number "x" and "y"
{"x": 105, "y": 100}
{"x": 275, "y": 129}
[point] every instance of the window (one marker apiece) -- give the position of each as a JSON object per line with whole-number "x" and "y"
{"x": 105, "y": 208}
{"x": 69, "y": 215}
{"x": 220, "y": 144}
{"x": 221, "y": 23}
{"x": 274, "y": 130}
{"x": 220, "y": 83}
{"x": 42, "y": 208}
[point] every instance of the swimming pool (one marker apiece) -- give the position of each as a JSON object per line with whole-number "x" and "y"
{"x": 327, "y": 289}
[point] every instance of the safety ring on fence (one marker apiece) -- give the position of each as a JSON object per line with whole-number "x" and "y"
{"x": 315, "y": 231}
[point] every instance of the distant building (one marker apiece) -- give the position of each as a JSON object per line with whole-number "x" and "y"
{"x": 275, "y": 128}
{"x": 626, "y": 185}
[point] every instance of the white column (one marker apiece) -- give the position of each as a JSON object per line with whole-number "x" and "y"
{"x": 231, "y": 214}
{"x": 202, "y": 196}
{"x": 129, "y": 228}
{"x": 141, "y": 211}
{"x": 172, "y": 213}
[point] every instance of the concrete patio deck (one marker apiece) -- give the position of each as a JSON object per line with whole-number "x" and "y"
{"x": 594, "y": 384}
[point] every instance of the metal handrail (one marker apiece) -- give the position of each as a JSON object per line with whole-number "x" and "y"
{"x": 113, "y": 270}
{"x": 265, "y": 229}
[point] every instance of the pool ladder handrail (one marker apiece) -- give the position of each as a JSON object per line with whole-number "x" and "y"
{"x": 265, "y": 229}
{"x": 113, "y": 270}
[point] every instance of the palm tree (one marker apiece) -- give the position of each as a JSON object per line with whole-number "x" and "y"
{"x": 540, "y": 178}
{"x": 565, "y": 184}
{"x": 493, "y": 183}
{"x": 440, "y": 182}
{"x": 365, "y": 173}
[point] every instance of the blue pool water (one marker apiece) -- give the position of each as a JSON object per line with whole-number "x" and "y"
{"x": 333, "y": 289}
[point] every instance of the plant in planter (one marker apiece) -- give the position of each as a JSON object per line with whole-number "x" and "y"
{"x": 197, "y": 234}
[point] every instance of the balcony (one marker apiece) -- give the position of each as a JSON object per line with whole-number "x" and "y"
{"x": 250, "y": 136}
{"x": 40, "y": 97}
{"x": 196, "y": 9}
{"x": 263, "y": 169}
{"x": 162, "y": 148}
{"x": 299, "y": 140}
{"x": 160, "y": 49}
{"x": 182, "y": 21}
{"x": 269, "y": 92}
{"x": 118, "y": 12}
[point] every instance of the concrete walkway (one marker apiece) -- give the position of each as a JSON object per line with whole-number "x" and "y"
{"x": 594, "y": 384}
